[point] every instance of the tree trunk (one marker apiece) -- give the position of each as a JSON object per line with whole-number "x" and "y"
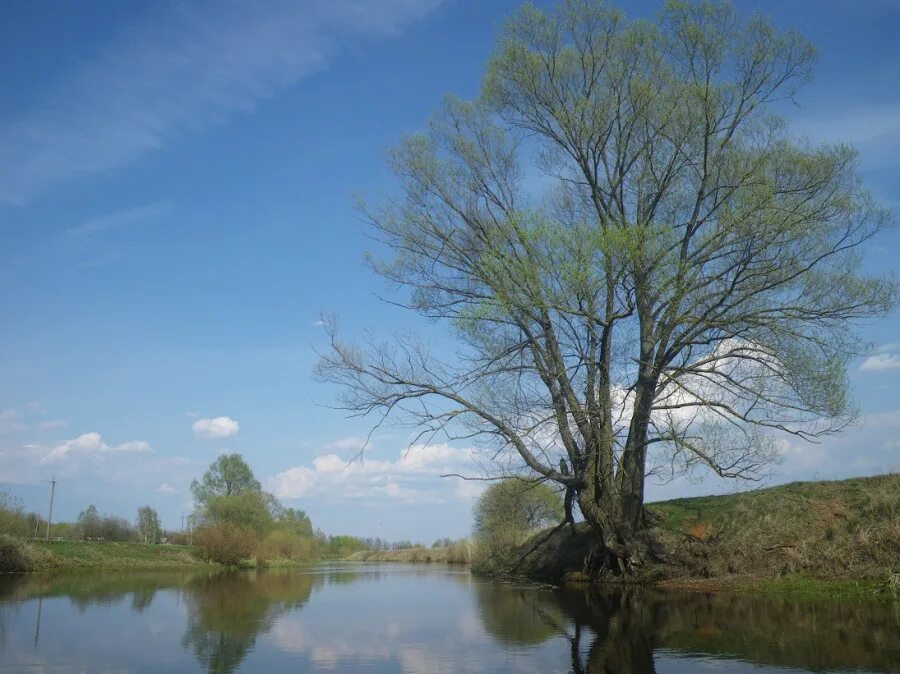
{"x": 614, "y": 510}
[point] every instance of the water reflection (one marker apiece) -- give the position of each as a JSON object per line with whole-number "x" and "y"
{"x": 396, "y": 618}
{"x": 227, "y": 612}
{"x": 627, "y": 630}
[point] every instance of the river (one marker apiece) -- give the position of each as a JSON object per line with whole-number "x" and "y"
{"x": 410, "y": 618}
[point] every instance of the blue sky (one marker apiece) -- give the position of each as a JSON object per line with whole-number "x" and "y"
{"x": 177, "y": 189}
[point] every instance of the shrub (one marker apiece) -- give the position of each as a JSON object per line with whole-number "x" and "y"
{"x": 225, "y": 544}
{"x": 14, "y": 554}
{"x": 459, "y": 552}
{"x": 285, "y": 545}
{"x": 12, "y": 518}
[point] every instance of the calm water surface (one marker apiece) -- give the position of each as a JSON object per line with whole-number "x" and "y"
{"x": 398, "y": 618}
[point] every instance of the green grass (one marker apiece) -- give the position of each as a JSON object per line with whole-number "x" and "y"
{"x": 123, "y": 556}
{"x": 802, "y": 587}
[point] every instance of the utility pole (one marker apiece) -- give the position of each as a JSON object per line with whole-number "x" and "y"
{"x": 50, "y": 513}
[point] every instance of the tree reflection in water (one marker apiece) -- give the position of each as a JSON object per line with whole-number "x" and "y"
{"x": 619, "y": 631}
{"x": 424, "y": 619}
{"x": 227, "y": 612}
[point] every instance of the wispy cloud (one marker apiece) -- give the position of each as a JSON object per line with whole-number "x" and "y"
{"x": 120, "y": 219}
{"x": 190, "y": 68}
{"x": 10, "y": 422}
{"x": 873, "y": 129}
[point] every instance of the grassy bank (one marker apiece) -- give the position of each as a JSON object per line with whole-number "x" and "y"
{"x": 805, "y": 539}
{"x": 795, "y": 587}
{"x": 459, "y": 553}
{"x": 20, "y": 555}
{"x": 51, "y": 555}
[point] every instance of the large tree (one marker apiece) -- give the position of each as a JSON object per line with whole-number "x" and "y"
{"x": 229, "y": 475}
{"x": 644, "y": 270}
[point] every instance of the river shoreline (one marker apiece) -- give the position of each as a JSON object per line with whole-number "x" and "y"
{"x": 88, "y": 557}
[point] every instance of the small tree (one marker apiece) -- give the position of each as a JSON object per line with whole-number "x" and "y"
{"x": 148, "y": 525}
{"x": 88, "y": 525}
{"x": 507, "y": 513}
{"x": 116, "y": 529}
{"x": 515, "y": 508}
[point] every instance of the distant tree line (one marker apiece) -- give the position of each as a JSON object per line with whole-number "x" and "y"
{"x": 234, "y": 521}
{"x": 90, "y": 525}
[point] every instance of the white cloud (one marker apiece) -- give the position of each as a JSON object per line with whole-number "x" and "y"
{"x": 133, "y": 446}
{"x": 883, "y": 359}
{"x": 165, "y": 488}
{"x": 412, "y": 478}
{"x": 191, "y": 66}
{"x": 53, "y": 424}
{"x": 92, "y": 444}
{"x": 219, "y": 427}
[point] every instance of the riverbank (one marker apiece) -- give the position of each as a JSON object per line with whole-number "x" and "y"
{"x": 815, "y": 539}
{"x": 39, "y": 556}
{"x": 75, "y": 555}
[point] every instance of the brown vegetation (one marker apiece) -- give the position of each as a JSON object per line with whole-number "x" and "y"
{"x": 14, "y": 554}
{"x": 460, "y": 552}
{"x": 224, "y": 544}
{"x": 287, "y": 546}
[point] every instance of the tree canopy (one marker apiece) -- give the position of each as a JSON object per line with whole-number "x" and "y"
{"x": 248, "y": 510}
{"x": 229, "y": 475}
{"x": 644, "y": 270}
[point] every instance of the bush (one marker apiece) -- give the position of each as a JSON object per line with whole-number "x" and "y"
{"x": 225, "y": 544}
{"x": 14, "y": 554}
{"x": 286, "y": 545}
{"x": 12, "y": 518}
{"x": 459, "y": 552}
